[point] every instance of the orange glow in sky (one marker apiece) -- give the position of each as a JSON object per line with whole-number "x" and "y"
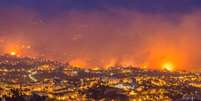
{"x": 17, "y": 48}
{"x": 78, "y": 63}
{"x": 12, "y": 49}
{"x": 13, "y": 53}
{"x": 168, "y": 66}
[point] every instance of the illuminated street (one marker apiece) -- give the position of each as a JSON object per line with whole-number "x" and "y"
{"x": 62, "y": 82}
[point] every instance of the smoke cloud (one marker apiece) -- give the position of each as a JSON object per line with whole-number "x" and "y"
{"x": 103, "y": 38}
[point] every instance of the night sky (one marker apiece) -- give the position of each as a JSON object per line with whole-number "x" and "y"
{"x": 103, "y": 33}
{"x": 54, "y": 7}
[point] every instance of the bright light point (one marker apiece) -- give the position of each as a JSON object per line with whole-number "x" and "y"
{"x": 144, "y": 66}
{"x": 13, "y": 53}
{"x": 168, "y": 66}
{"x": 29, "y": 46}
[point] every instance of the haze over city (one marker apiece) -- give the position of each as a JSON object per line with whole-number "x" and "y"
{"x": 103, "y": 33}
{"x": 100, "y": 50}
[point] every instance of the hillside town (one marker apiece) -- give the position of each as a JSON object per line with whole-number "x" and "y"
{"x": 38, "y": 79}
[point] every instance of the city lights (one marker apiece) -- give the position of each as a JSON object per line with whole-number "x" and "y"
{"x": 63, "y": 82}
{"x": 100, "y": 50}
